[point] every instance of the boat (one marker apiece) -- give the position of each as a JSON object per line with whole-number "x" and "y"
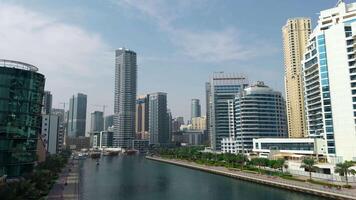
{"x": 94, "y": 155}
{"x": 131, "y": 152}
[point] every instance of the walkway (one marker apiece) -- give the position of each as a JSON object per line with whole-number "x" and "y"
{"x": 268, "y": 180}
{"x": 69, "y": 175}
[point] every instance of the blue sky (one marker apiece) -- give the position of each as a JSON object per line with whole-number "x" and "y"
{"x": 179, "y": 43}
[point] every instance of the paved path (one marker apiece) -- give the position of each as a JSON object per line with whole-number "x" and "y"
{"x": 268, "y": 180}
{"x": 69, "y": 175}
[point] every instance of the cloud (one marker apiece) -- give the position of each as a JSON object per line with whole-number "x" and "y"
{"x": 201, "y": 45}
{"x": 67, "y": 55}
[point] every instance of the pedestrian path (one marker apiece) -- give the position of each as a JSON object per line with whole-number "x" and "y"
{"x": 67, "y": 185}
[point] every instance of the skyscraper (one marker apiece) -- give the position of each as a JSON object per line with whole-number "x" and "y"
{"x": 21, "y": 90}
{"x": 77, "y": 115}
{"x": 47, "y": 103}
{"x": 195, "y": 108}
{"x": 257, "y": 112}
{"x": 207, "y": 108}
{"x": 295, "y": 38}
{"x": 142, "y": 110}
{"x": 329, "y": 71}
{"x": 108, "y": 122}
{"x": 125, "y": 97}
{"x": 223, "y": 88}
{"x": 158, "y": 118}
{"x": 96, "y": 121}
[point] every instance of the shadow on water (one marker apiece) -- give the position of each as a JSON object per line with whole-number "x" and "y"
{"x": 135, "y": 178}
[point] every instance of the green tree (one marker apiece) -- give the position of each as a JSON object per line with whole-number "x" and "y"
{"x": 241, "y": 160}
{"x": 309, "y": 165}
{"x": 259, "y": 162}
{"x": 344, "y": 169}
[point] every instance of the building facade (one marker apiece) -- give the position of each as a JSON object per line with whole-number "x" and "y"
{"x": 199, "y": 123}
{"x": 195, "y": 108}
{"x": 77, "y": 115}
{"x": 96, "y": 121}
{"x": 329, "y": 74}
{"x": 125, "y": 97}
{"x": 142, "y": 119}
{"x": 50, "y": 133}
{"x": 108, "y": 122}
{"x": 47, "y": 103}
{"x": 223, "y": 88}
{"x": 21, "y": 92}
{"x": 295, "y": 38}
{"x": 61, "y": 128}
{"x": 257, "y": 112}
{"x": 158, "y": 120}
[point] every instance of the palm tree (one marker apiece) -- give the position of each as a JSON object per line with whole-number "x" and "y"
{"x": 344, "y": 169}
{"x": 309, "y": 165}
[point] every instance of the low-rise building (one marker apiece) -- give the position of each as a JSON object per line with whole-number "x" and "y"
{"x": 141, "y": 145}
{"x": 290, "y": 148}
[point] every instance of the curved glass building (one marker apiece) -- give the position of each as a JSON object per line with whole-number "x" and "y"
{"x": 21, "y": 92}
{"x": 257, "y": 112}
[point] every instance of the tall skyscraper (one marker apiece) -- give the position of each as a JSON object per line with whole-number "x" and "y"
{"x": 195, "y": 108}
{"x": 223, "y": 88}
{"x": 96, "y": 121}
{"x": 47, "y": 103}
{"x": 142, "y": 110}
{"x": 295, "y": 38}
{"x": 108, "y": 122}
{"x": 329, "y": 71}
{"x": 158, "y": 120}
{"x": 21, "y": 90}
{"x": 125, "y": 97}
{"x": 257, "y": 112}
{"x": 77, "y": 115}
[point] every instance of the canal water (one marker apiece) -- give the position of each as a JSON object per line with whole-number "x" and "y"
{"x": 136, "y": 178}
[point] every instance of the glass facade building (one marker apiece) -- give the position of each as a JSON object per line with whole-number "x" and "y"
{"x": 223, "y": 88}
{"x": 21, "y": 92}
{"x": 329, "y": 75}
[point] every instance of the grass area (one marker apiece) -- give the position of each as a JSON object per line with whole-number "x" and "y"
{"x": 330, "y": 185}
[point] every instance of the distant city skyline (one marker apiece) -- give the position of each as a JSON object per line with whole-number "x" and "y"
{"x": 87, "y": 36}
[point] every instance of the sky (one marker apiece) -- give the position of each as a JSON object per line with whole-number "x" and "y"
{"x": 179, "y": 43}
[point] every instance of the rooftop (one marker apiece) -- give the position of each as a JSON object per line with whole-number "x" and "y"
{"x": 17, "y": 65}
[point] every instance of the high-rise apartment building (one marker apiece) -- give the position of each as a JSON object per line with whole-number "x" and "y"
{"x": 125, "y": 97}
{"x": 158, "y": 118}
{"x": 329, "y": 74}
{"x": 61, "y": 127}
{"x": 257, "y": 112}
{"x": 21, "y": 91}
{"x": 195, "y": 108}
{"x": 96, "y": 121}
{"x": 47, "y": 103}
{"x": 223, "y": 88}
{"x": 77, "y": 115}
{"x": 142, "y": 119}
{"x": 50, "y": 133}
{"x": 295, "y": 38}
{"x": 108, "y": 122}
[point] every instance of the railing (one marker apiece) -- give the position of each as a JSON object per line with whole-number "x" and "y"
{"x": 328, "y": 177}
{"x": 17, "y": 65}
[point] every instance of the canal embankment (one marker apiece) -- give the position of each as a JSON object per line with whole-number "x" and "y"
{"x": 297, "y": 186}
{"x": 67, "y": 185}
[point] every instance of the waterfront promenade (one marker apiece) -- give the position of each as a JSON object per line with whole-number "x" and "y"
{"x": 67, "y": 184}
{"x": 267, "y": 180}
